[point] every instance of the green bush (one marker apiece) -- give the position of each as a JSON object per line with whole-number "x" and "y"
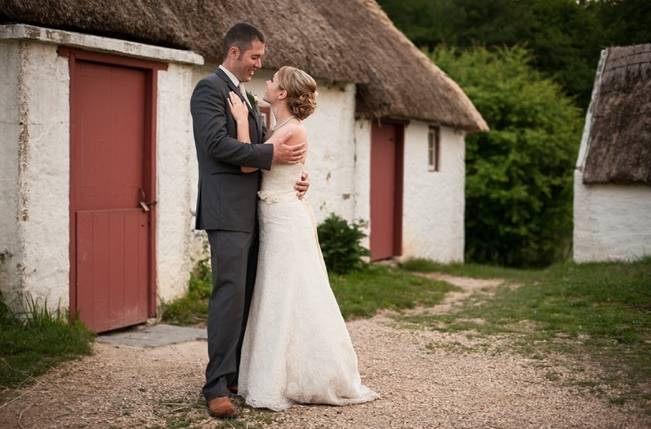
{"x": 340, "y": 244}
{"x": 519, "y": 175}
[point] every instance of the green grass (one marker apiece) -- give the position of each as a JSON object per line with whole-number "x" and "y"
{"x": 363, "y": 293}
{"x": 191, "y": 308}
{"x": 469, "y": 270}
{"x": 359, "y": 294}
{"x": 31, "y": 345}
{"x": 599, "y": 310}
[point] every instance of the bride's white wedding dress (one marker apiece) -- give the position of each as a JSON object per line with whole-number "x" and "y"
{"x": 296, "y": 347}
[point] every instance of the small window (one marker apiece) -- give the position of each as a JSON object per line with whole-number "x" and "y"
{"x": 434, "y": 149}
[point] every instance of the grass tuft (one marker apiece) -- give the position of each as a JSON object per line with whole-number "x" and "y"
{"x": 191, "y": 308}
{"x": 35, "y": 341}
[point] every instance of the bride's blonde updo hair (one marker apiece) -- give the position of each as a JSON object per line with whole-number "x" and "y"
{"x": 301, "y": 91}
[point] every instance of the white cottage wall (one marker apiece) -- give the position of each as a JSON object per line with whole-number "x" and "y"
{"x": 46, "y": 220}
{"x": 41, "y": 152}
{"x": 10, "y": 153}
{"x": 362, "y": 177}
{"x": 611, "y": 222}
{"x": 434, "y": 203}
{"x": 331, "y": 157}
{"x": 179, "y": 247}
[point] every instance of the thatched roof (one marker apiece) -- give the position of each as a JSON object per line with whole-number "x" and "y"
{"x": 619, "y": 142}
{"x": 334, "y": 40}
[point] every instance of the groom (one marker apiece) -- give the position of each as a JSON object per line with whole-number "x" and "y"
{"x": 227, "y": 202}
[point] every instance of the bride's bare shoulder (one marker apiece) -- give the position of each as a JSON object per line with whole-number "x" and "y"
{"x": 299, "y": 134}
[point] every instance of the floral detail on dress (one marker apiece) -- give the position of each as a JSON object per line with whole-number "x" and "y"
{"x": 268, "y": 197}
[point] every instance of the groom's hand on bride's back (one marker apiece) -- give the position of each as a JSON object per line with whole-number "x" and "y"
{"x": 286, "y": 153}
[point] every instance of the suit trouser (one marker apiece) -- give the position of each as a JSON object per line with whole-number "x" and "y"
{"x": 234, "y": 257}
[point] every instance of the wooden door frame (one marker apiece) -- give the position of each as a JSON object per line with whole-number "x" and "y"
{"x": 400, "y": 126}
{"x": 151, "y": 89}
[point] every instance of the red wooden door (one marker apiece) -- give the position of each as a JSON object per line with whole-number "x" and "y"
{"x": 112, "y": 233}
{"x": 386, "y": 190}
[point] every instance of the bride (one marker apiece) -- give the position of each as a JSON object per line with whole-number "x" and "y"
{"x": 296, "y": 346}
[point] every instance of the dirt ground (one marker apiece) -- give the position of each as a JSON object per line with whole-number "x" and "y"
{"x": 426, "y": 379}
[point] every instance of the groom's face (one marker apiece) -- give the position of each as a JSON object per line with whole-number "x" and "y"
{"x": 249, "y": 61}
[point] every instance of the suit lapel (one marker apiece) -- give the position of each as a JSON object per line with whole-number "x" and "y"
{"x": 219, "y": 72}
{"x": 252, "y": 112}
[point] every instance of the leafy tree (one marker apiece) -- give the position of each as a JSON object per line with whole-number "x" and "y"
{"x": 627, "y": 22}
{"x": 519, "y": 175}
{"x": 564, "y": 36}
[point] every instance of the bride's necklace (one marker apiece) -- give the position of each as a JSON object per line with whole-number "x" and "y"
{"x": 283, "y": 123}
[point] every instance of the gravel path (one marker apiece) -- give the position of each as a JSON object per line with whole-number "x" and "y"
{"x": 425, "y": 379}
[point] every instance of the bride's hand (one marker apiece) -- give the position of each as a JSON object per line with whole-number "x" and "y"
{"x": 302, "y": 185}
{"x": 238, "y": 109}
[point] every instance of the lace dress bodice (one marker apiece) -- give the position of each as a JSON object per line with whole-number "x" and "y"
{"x": 278, "y": 183}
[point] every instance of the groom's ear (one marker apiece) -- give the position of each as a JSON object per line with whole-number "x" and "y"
{"x": 234, "y": 52}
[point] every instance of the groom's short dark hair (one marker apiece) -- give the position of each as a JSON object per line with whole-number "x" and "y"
{"x": 241, "y": 35}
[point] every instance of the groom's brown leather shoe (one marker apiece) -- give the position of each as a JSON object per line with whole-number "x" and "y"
{"x": 222, "y": 406}
{"x": 233, "y": 389}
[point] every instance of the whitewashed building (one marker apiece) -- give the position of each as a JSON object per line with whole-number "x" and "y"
{"x": 97, "y": 160}
{"x": 612, "y": 179}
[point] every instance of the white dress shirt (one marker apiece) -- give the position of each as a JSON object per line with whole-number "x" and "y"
{"x": 237, "y": 84}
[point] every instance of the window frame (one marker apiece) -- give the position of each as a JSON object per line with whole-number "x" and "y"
{"x": 434, "y": 148}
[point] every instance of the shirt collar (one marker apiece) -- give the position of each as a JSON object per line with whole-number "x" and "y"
{"x": 231, "y": 76}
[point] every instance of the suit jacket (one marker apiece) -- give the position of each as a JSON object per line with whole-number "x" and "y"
{"x": 227, "y": 198}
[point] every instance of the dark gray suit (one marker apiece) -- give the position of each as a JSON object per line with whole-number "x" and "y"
{"x": 226, "y": 209}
